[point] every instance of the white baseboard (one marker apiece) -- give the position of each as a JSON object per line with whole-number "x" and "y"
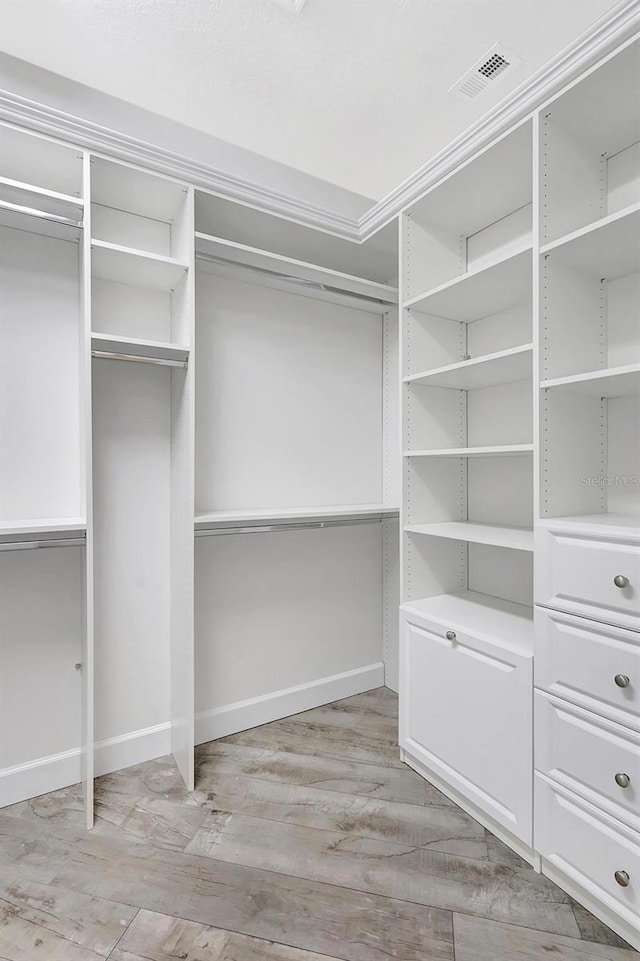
{"x": 60, "y": 770}
{"x": 242, "y": 715}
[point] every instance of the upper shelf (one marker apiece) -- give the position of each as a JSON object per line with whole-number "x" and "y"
{"x": 230, "y": 251}
{"x": 502, "y": 367}
{"x": 219, "y": 520}
{"x": 609, "y": 382}
{"x": 134, "y": 347}
{"x": 45, "y": 529}
{"x": 125, "y": 265}
{"x": 482, "y": 292}
{"x": 607, "y": 248}
{"x": 496, "y": 535}
{"x": 505, "y": 450}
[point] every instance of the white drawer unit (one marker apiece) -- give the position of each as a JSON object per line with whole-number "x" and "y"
{"x": 593, "y": 665}
{"x": 466, "y": 716}
{"x": 589, "y": 576}
{"x": 588, "y": 755}
{"x": 594, "y": 850}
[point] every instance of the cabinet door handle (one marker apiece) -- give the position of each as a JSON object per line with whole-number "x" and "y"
{"x": 621, "y": 581}
{"x": 622, "y": 680}
{"x": 622, "y": 878}
{"x": 622, "y": 780}
{"x": 450, "y": 635}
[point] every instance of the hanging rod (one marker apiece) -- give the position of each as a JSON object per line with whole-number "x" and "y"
{"x": 41, "y": 215}
{"x": 294, "y": 526}
{"x": 291, "y": 278}
{"x": 138, "y": 359}
{"x": 35, "y": 545}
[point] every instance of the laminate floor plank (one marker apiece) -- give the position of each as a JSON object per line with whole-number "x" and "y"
{"x": 477, "y": 939}
{"x": 401, "y": 871}
{"x": 157, "y": 937}
{"x": 54, "y": 924}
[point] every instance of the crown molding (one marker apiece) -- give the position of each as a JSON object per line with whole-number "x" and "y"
{"x": 610, "y": 32}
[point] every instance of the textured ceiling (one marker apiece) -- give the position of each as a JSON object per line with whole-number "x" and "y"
{"x": 353, "y": 91}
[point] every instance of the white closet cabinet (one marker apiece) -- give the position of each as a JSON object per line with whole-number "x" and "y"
{"x": 508, "y": 275}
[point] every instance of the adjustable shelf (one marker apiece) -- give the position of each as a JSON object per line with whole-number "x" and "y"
{"x": 221, "y": 520}
{"x": 608, "y": 248}
{"x": 496, "y": 535}
{"x": 134, "y": 348}
{"x": 497, "y": 621}
{"x": 606, "y": 383}
{"x": 219, "y": 250}
{"x": 481, "y": 292}
{"x": 126, "y": 265}
{"x": 498, "y": 451}
{"x": 501, "y": 367}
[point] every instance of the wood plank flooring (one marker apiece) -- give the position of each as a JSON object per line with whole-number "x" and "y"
{"x": 305, "y": 840}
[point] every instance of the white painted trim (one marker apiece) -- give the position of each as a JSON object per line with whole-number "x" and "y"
{"x": 57, "y": 771}
{"x": 615, "y": 28}
{"x": 242, "y": 715}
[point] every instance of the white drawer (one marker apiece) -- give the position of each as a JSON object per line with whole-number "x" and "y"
{"x": 585, "y": 754}
{"x": 466, "y": 715}
{"x": 588, "y": 846}
{"x": 579, "y": 660}
{"x": 575, "y": 573}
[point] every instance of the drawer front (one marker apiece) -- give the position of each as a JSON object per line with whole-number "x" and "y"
{"x": 580, "y": 660}
{"x": 590, "y": 847}
{"x": 465, "y": 714}
{"x": 576, "y": 574}
{"x": 586, "y": 754}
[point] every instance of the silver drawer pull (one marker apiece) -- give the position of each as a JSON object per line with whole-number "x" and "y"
{"x": 621, "y": 581}
{"x": 622, "y": 878}
{"x": 622, "y": 680}
{"x": 622, "y": 780}
{"x": 450, "y": 635}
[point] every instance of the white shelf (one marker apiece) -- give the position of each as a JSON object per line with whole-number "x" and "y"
{"x": 140, "y": 192}
{"x": 515, "y": 538}
{"x": 291, "y": 515}
{"x": 497, "y": 621}
{"x": 481, "y": 292}
{"x": 502, "y": 367}
{"x": 609, "y": 382}
{"x": 603, "y": 525}
{"x": 288, "y": 267}
{"x": 135, "y": 347}
{"x": 607, "y": 248}
{"x": 504, "y": 451}
{"x": 51, "y": 201}
{"x": 42, "y": 529}
{"x": 124, "y": 265}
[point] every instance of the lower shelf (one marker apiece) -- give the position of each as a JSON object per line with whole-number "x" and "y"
{"x": 515, "y": 538}
{"x": 496, "y": 620}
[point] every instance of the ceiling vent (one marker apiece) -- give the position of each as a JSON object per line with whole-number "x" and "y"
{"x": 485, "y": 73}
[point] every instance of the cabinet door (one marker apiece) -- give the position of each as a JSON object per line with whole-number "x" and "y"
{"x": 466, "y": 715}
{"x": 579, "y": 574}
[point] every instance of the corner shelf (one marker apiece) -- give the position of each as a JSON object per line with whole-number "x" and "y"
{"x": 498, "y": 451}
{"x": 608, "y": 382}
{"x": 489, "y": 370}
{"x": 607, "y": 248}
{"x": 220, "y": 520}
{"x": 125, "y": 265}
{"x": 497, "y": 621}
{"x": 230, "y": 251}
{"x": 482, "y": 292}
{"x": 134, "y": 347}
{"x": 496, "y": 535}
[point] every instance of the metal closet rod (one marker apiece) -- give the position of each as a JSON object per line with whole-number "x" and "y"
{"x": 37, "y": 545}
{"x": 41, "y": 214}
{"x": 290, "y": 278}
{"x": 138, "y": 359}
{"x": 294, "y": 526}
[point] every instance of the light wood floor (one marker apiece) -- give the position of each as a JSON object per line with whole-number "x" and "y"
{"x": 305, "y": 840}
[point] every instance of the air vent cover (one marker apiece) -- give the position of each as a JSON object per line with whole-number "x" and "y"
{"x": 485, "y": 73}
